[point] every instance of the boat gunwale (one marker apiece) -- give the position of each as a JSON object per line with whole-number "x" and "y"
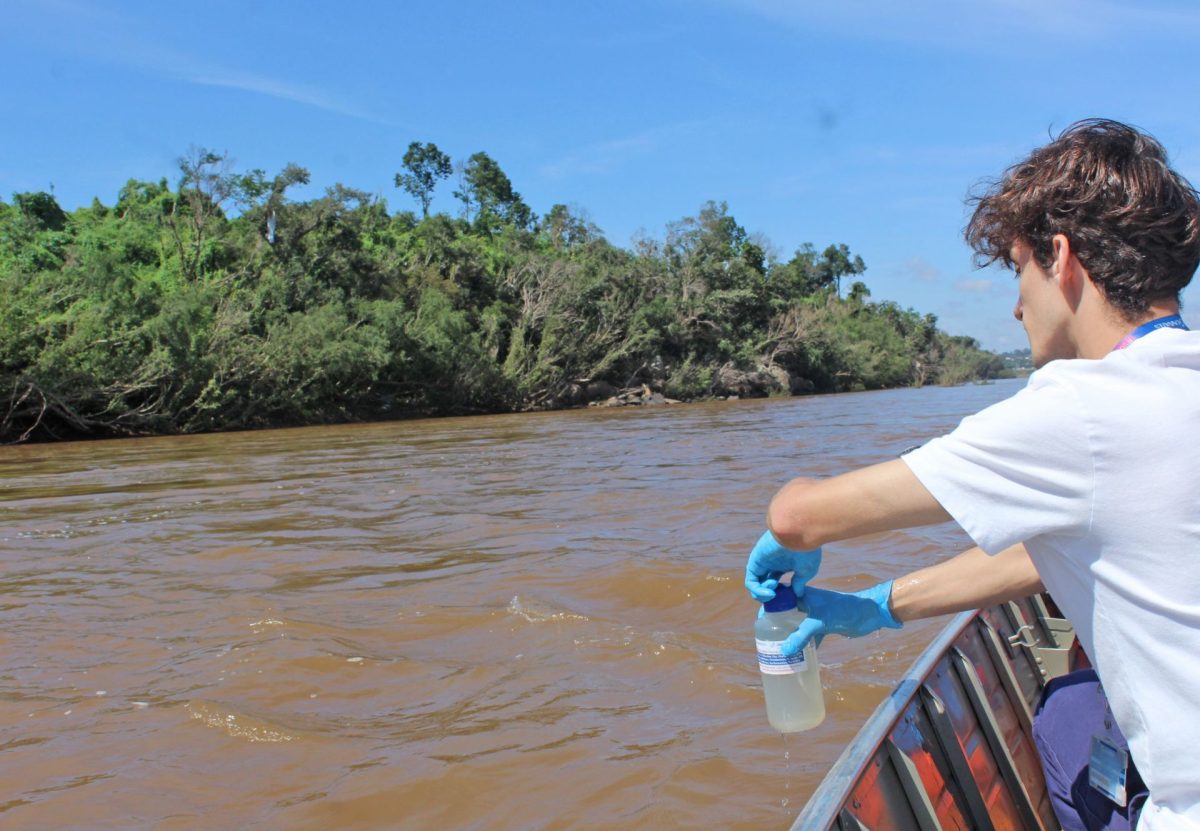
{"x": 821, "y": 810}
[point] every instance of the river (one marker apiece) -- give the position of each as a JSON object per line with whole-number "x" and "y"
{"x": 530, "y": 621}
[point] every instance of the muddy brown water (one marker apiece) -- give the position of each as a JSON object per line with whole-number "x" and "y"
{"x": 510, "y": 622}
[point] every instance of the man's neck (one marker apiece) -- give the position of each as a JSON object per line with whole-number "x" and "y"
{"x": 1099, "y": 337}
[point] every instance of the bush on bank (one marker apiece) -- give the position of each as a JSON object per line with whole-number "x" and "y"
{"x": 223, "y": 304}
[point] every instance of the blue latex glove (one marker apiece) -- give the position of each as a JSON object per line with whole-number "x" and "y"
{"x": 852, "y": 614}
{"x": 769, "y": 561}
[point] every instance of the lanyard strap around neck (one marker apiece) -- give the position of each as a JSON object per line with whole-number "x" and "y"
{"x": 1168, "y": 322}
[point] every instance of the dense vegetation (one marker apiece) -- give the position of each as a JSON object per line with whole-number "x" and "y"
{"x": 221, "y": 303}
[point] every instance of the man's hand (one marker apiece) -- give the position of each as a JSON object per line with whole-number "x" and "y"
{"x": 852, "y": 614}
{"x": 769, "y": 561}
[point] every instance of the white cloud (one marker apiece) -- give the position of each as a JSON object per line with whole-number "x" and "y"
{"x": 110, "y": 37}
{"x": 974, "y": 286}
{"x": 213, "y": 76}
{"x": 606, "y": 156}
{"x": 920, "y": 270}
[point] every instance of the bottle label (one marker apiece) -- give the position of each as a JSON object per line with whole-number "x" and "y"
{"x": 773, "y": 662}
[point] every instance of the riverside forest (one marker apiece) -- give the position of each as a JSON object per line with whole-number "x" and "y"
{"x": 221, "y": 304}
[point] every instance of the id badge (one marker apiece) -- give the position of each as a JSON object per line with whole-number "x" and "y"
{"x": 1107, "y": 766}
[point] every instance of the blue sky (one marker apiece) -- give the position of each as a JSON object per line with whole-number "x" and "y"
{"x": 858, "y": 121}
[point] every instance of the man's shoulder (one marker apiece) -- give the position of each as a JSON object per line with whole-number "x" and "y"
{"x": 1067, "y": 374}
{"x": 1145, "y": 358}
{"x": 1173, "y": 348}
{"x": 1158, "y": 380}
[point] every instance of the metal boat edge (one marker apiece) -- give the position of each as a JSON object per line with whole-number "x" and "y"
{"x": 952, "y": 744}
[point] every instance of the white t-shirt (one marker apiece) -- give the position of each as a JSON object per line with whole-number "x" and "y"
{"x": 1095, "y": 466}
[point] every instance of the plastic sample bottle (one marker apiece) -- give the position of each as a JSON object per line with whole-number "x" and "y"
{"x": 792, "y": 686}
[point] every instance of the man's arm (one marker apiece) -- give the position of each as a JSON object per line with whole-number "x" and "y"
{"x": 807, "y": 513}
{"x": 968, "y": 581}
{"x": 972, "y": 580}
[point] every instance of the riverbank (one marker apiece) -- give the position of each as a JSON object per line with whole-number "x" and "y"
{"x": 169, "y": 313}
{"x": 601, "y": 395}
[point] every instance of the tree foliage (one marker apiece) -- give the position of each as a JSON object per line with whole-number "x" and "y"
{"x": 425, "y": 166}
{"x": 487, "y": 192}
{"x": 221, "y": 303}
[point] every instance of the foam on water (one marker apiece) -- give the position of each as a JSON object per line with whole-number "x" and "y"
{"x": 238, "y": 726}
{"x": 539, "y": 613}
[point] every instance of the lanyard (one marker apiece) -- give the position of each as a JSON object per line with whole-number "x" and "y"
{"x": 1168, "y": 322}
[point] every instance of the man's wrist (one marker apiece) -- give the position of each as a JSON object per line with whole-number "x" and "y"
{"x": 887, "y": 614}
{"x": 890, "y": 603}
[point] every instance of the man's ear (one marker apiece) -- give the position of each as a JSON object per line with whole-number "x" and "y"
{"x": 1067, "y": 270}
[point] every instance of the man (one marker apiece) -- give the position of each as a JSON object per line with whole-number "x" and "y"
{"x": 1087, "y": 481}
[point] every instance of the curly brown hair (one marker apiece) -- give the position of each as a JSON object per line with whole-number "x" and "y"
{"x": 1133, "y": 222}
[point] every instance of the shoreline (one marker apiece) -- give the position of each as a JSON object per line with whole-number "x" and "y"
{"x": 643, "y": 396}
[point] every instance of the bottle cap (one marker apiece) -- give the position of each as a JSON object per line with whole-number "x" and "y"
{"x": 784, "y": 600}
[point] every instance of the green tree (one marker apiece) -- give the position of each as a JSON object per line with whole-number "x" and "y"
{"x": 858, "y": 293}
{"x": 488, "y": 191}
{"x": 564, "y": 230}
{"x": 836, "y": 263}
{"x": 34, "y": 232}
{"x": 718, "y": 286}
{"x": 41, "y": 210}
{"x": 206, "y": 184}
{"x": 426, "y": 165}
